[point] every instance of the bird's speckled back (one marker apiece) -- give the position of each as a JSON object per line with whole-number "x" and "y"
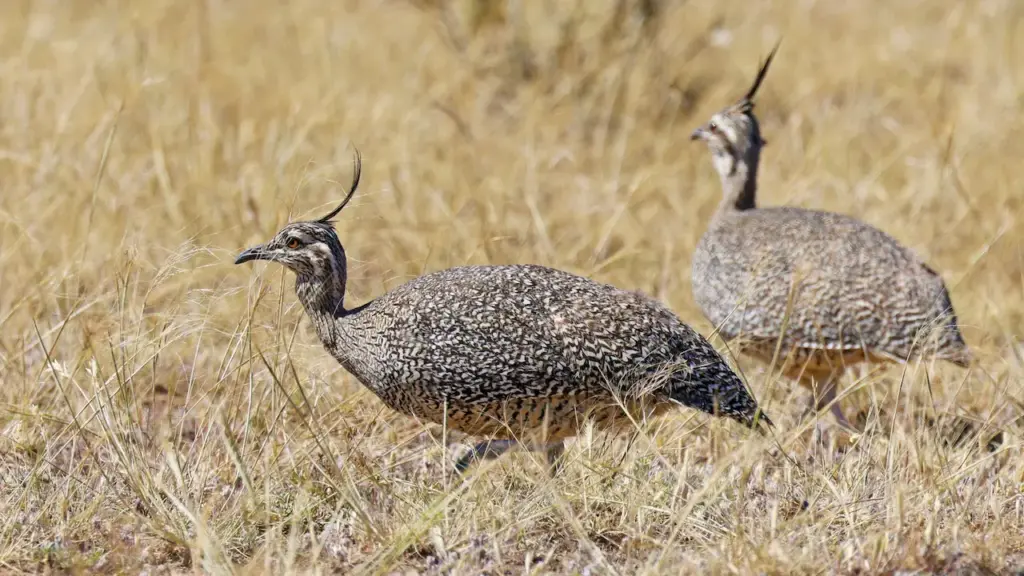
{"x": 852, "y": 285}
{"x": 506, "y": 350}
{"x": 476, "y": 335}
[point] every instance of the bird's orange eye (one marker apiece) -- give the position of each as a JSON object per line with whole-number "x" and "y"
{"x": 713, "y": 127}
{"x": 293, "y": 243}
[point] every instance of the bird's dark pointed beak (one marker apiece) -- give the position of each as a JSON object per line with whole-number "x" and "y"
{"x": 698, "y": 134}
{"x": 254, "y": 253}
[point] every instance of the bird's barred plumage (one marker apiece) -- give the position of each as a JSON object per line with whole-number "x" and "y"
{"x": 501, "y": 340}
{"x": 507, "y": 351}
{"x": 835, "y": 283}
{"x": 833, "y": 288}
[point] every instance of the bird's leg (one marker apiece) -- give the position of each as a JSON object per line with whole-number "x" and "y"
{"x": 491, "y": 449}
{"x": 824, "y": 385}
{"x": 554, "y": 451}
{"x": 827, "y": 397}
{"x": 812, "y": 380}
{"x": 486, "y": 450}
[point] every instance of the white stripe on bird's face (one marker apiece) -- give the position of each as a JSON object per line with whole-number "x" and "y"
{"x": 320, "y": 258}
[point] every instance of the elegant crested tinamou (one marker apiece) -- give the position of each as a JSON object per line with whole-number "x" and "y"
{"x": 831, "y": 289}
{"x": 509, "y": 353}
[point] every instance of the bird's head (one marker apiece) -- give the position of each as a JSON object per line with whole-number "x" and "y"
{"x": 310, "y": 249}
{"x": 733, "y": 134}
{"x": 306, "y": 248}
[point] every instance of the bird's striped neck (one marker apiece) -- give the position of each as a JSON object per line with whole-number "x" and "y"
{"x": 739, "y": 185}
{"x": 322, "y": 294}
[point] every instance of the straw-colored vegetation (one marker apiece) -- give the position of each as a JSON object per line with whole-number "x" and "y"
{"x": 162, "y": 409}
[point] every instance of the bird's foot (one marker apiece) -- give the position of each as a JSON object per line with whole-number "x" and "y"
{"x": 491, "y": 449}
{"x": 486, "y": 450}
{"x": 554, "y": 453}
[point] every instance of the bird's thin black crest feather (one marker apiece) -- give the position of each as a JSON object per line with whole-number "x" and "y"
{"x": 357, "y": 169}
{"x": 748, "y": 99}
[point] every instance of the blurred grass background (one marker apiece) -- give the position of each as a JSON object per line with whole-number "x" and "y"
{"x": 163, "y": 410}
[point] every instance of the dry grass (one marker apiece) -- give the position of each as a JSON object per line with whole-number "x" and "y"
{"x": 165, "y": 410}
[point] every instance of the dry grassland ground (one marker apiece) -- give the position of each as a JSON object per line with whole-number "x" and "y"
{"x": 165, "y": 411}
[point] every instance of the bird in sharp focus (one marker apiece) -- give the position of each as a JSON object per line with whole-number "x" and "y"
{"x": 516, "y": 353}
